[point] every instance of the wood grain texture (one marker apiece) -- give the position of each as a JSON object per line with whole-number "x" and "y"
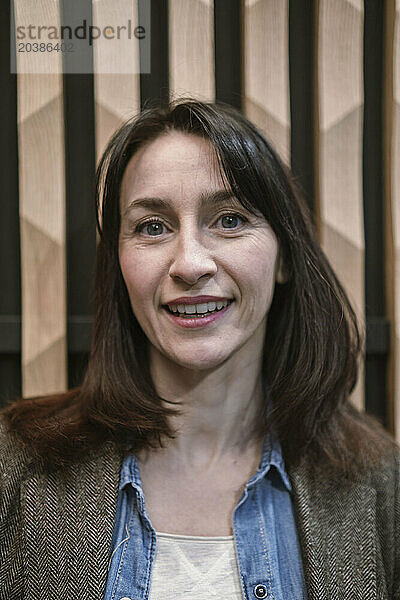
{"x": 395, "y": 216}
{"x": 266, "y": 70}
{"x": 340, "y": 91}
{"x": 42, "y": 212}
{"x": 116, "y": 81}
{"x": 191, "y": 49}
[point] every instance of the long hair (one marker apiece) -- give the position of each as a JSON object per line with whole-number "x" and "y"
{"x": 313, "y": 343}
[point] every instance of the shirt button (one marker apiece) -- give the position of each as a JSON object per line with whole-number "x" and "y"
{"x": 125, "y": 598}
{"x": 260, "y": 591}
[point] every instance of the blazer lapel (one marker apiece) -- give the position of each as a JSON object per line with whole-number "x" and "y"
{"x": 337, "y": 531}
{"x": 68, "y": 522}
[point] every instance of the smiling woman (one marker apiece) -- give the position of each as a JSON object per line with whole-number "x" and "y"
{"x": 180, "y": 236}
{"x": 212, "y": 448}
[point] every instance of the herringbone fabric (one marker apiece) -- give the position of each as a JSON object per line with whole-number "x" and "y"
{"x": 349, "y": 533}
{"x": 56, "y": 528}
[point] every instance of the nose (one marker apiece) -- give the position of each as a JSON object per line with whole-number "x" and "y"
{"x": 191, "y": 260}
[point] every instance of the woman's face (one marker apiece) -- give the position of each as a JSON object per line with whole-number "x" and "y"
{"x": 199, "y": 269}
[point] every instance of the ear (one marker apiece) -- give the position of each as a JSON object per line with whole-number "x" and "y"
{"x": 281, "y": 272}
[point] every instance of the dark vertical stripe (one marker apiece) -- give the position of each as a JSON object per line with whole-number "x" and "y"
{"x": 80, "y": 218}
{"x": 377, "y": 324}
{"x": 154, "y": 86}
{"x": 10, "y": 261}
{"x": 228, "y": 51}
{"x": 390, "y": 274}
{"x": 302, "y": 94}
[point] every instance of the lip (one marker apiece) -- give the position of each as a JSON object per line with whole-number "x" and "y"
{"x": 197, "y": 322}
{"x": 196, "y": 299}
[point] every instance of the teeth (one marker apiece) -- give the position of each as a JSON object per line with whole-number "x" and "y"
{"x": 191, "y": 309}
{"x": 202, "y": 308}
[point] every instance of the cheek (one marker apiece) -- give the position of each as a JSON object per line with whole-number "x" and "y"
{"x": 255, "y": 266}
{"x": 137, "y": 276}
{"x": 255, "y": 276}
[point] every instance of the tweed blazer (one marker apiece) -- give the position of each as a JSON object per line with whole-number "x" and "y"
{"x": 56, "y": 528}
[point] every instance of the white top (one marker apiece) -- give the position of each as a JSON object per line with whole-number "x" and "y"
{"x": 195, "y": 567}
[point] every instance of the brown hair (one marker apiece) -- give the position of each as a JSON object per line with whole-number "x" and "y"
{"x": 313, "y": 343}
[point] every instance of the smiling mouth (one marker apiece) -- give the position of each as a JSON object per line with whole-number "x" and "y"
{"x": 197, "y": 311}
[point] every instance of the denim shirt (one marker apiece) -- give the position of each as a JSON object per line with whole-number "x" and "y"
{"x": 264, "y": 531}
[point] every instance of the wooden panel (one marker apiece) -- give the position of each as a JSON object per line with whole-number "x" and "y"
{"x": 266, "y": 70}
{"x": 42, "y": 210}
{"x": 340, "y": 82}
{"x": 396, "y": 216}
{"x": 191, "y": 42}
{"x": 117, "y": 96}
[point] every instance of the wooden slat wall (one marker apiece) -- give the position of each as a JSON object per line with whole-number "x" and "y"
{"x": 266, "y": 70}
{"x": 42, "y": 210}
{"x": 117, "y": 95}
{"x": 340, "y": 90}
{"x": 395, "y": 196}
{"x": 191, "y": 56}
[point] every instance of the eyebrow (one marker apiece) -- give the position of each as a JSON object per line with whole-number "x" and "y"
{"x": 207, "y": 199}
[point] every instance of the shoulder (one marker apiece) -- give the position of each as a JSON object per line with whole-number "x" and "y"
{"x": 385, "y": 481}
{"x": 15, "y": 461}
{"x": 25, "y": 483}
{"x": 358, "y": 514}
{"x": 384, "y": 478}
{"x": 378, "y": 481}
{"x": 15, "y": 456}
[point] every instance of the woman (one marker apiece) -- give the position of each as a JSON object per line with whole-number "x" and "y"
{"x": 212, "y": 448}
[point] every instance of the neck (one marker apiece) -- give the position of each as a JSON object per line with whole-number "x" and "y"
{"x": 221, "y": 408}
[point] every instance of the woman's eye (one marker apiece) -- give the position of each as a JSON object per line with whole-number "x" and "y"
{"x": 152, "y": 228}
{"x": 231, "y": 221}
{"x": 157, "y": 228}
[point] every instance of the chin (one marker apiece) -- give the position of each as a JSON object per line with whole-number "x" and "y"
{"x": 203, "y": 361}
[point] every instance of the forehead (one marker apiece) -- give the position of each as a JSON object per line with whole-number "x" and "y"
{"x": 170, "y": 162}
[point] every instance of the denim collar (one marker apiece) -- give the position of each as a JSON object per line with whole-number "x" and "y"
{"x": 271, "y": 457}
